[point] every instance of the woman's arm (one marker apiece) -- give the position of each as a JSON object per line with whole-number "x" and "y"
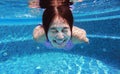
{"x": 39, "y": 34}
{"x": 79, "y": 35}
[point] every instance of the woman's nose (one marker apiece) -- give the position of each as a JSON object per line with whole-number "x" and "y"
{"x": 60, "y": 36}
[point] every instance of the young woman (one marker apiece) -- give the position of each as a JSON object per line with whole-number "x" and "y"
{"x": 57, "y": 29}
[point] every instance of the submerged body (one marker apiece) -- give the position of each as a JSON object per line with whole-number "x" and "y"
{"x": 59, "y": 34}
{"x": 57, "y": 29}
{"x": 78, "y": 36}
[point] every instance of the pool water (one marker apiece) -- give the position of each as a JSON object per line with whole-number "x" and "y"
{"x": 20, "y": 54}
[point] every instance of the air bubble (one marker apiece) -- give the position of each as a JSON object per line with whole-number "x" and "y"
{"x": 38, "y": 47}
{"x": 104, "y": 50}
{"x": 5, "y": 54}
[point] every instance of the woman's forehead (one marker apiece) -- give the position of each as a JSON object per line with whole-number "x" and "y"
{"x": 59, "y": 24}
{"x": 58, "y": 21}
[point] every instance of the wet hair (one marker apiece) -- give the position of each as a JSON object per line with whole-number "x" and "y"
{"x": 52, "y": 10}
{"x": 48, "y": 3}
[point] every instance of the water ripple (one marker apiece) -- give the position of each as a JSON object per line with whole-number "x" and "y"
{"x": 97, "y": 18}
{"x": 30, "y": 38}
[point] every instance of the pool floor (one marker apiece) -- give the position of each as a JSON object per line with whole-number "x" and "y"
{"x": 22, "y": 58}
{"x": 55, "y": 63}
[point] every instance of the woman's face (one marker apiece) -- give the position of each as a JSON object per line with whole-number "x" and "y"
{"x": 59, "y": 33}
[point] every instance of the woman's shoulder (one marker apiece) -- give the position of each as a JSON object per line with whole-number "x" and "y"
{"x": 39, "y": 34}
{"x": 79, "y": 35}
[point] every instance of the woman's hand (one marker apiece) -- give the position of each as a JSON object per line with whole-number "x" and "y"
{"x": 76, "y": 0}
{"x": 34, "y": 4}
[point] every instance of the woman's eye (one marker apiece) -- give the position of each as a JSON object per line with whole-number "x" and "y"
{"x": 54, "y": 31}
{"x": 65, "y": 30}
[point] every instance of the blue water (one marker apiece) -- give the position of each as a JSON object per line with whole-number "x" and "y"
{"x": 20, "y": 54}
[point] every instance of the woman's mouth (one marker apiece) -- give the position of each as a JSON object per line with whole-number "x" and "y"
{"x": 59, "y": 42}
